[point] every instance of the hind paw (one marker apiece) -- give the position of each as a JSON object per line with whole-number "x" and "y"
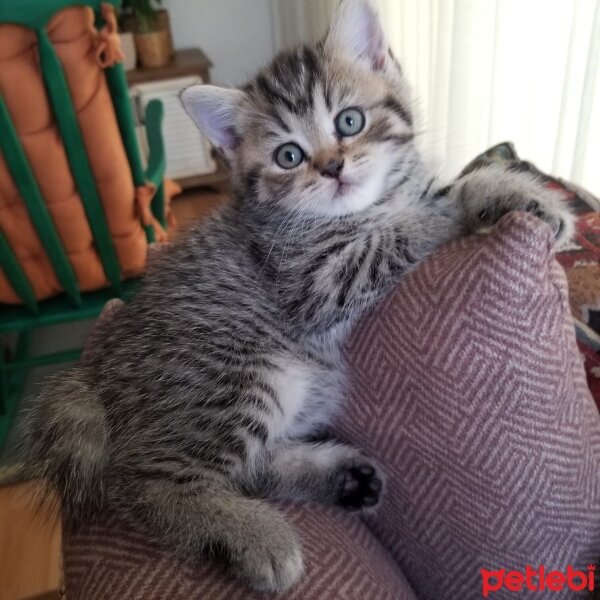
{"x": 273, "y": 565}
{"x": 361, "y": 487}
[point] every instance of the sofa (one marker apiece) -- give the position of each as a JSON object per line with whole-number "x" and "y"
{"x": 468, "y": 387}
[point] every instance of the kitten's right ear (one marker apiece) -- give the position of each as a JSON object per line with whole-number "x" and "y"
{"x": 215, "y": 112}
{"x": 356, "y": 31}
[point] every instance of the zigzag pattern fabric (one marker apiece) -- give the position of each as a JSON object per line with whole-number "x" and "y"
{"x": 468, "y": 387}
{"x": 343, "y": 560}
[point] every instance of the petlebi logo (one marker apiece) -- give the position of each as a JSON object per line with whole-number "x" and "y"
{"x": 537, "y": 580}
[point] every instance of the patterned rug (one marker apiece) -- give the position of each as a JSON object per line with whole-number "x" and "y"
{"x": 582, "y": 265}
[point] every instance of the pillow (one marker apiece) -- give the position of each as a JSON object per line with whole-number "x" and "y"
{"x": 343, "y": 560}
{"x": 468, "y": 387}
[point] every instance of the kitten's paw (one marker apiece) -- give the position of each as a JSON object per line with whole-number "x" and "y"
{"x": 555, "y": 214}
{"x": 489, "y": 193}
{"x": 272, "y": 565}
{"x": 361, "y": 486}
{"x": 545, "y": 205}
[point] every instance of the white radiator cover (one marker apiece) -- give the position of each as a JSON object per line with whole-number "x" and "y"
{"x": 188, "y": 152}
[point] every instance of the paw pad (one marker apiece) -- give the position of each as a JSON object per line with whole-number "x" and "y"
{"x": 361, "y": 487}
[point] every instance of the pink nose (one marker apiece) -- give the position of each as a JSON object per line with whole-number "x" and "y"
{"x": 332, "y": 168}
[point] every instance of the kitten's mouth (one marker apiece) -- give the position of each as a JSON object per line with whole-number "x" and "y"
{"x": 343, "y": 187}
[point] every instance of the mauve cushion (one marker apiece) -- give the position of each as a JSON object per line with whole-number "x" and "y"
{"x": 469, "y": 388}
{"x": 343, "y": 560}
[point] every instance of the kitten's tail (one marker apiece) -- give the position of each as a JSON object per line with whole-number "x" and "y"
{"x": 65, "y": 444}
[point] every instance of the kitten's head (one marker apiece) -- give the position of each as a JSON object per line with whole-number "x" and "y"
{"x": 323, "y": 130}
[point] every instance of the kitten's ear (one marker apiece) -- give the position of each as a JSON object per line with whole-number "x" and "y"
{"x": 215, "y": 112}
{"x": 357, "y": 32}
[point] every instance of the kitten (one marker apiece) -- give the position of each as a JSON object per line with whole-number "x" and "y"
{"x": 199, "y": 397}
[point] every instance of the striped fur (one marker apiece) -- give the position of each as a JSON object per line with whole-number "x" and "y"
{"x": 199, "y": 397}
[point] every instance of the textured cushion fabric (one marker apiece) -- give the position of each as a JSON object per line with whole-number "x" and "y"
{"x": 343, "y": 561}
{"x": 468, "y": 387}
{"x": 73, "y": 36}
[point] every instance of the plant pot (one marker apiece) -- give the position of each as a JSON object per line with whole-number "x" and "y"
{"x": 155, "y": 47}
{"x": 163, "y": 21}
{"x": 128, "y": 47}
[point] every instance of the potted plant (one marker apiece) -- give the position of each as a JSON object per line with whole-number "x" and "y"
{"x": 151, "y": 30}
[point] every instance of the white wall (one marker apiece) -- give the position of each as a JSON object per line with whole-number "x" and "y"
{"x": 236, "y": 35}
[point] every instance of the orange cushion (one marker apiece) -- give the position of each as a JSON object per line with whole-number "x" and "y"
{"x": 73, "y": 36}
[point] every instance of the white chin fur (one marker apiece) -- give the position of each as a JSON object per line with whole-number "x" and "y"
{"x": 360, "y": 196}
{"x": 356, "y": 199}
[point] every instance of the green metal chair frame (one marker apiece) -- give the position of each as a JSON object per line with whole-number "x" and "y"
{"x": 72, "y": 305}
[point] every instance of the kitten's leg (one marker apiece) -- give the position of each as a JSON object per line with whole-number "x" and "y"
{"x": 256, "y": 541}
{"x": 326, "y": 472}
{"x": 487, "y": 193}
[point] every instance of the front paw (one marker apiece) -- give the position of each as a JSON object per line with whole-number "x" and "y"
{"x": 489, "y": 193}
{"x": 544, "y": 206}
{"x": 555, "y": 214}
{"x": 272, "y": 562}
{"x": 361, "y": 486}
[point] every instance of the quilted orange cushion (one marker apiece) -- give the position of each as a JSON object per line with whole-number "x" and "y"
{"x": 73, "y": 36}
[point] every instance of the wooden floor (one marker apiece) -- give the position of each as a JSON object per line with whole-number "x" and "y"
{"x": 29, "y": 546}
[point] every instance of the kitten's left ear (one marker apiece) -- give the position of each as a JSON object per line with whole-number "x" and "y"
{"x": 356, "y": 31}
{"x": 215, "y": 111}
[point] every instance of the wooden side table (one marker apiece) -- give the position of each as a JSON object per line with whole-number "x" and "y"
{"x": 186, "y": 62}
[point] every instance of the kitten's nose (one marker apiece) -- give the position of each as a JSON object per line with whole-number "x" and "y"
{"x": 332, "y": 168}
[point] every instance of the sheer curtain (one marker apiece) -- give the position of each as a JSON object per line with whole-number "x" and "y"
{"x": 486, "y": 71}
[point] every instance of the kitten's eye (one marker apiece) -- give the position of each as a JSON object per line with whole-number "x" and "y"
{"x": 350, "y": 122}
{"x": 289, "y": 156}
{"x": 483, "y": 215}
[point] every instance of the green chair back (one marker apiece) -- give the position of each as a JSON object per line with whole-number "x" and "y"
{"x": 72, "y": 305}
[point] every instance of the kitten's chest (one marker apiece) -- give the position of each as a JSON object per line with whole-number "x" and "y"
{"x": 307, "y": 396}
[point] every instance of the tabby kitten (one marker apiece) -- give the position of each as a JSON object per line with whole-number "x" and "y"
{"x": 201, "y": 395}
